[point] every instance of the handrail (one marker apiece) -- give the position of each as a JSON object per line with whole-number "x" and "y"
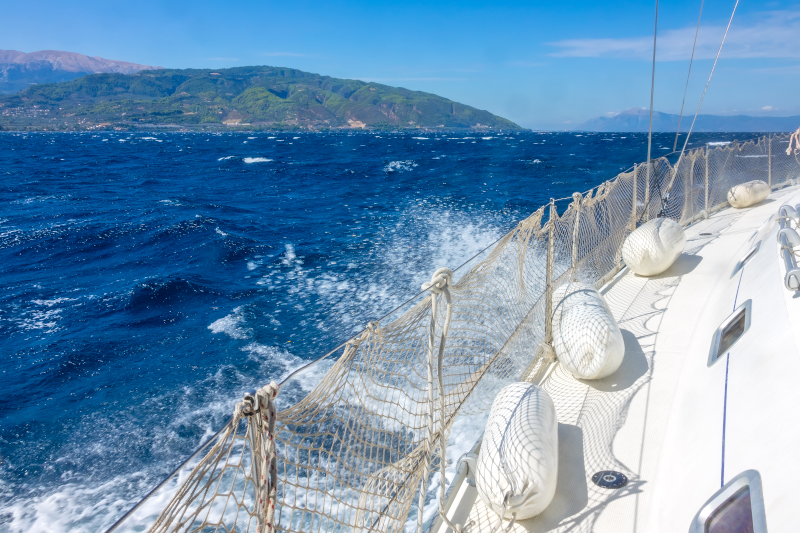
{"x": 792, "y": 278}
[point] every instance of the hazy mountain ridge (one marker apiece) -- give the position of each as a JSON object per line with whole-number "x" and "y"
{"x": 637, "y": 120}
{"x": 19, "y": 70}
{"x": 242, "y": 96}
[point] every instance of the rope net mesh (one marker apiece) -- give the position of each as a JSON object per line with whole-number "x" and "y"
{"x": 350, "y": 455}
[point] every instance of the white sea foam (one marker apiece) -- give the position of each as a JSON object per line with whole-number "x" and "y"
{"x": 249, "y": 160}
{"x": 46, "y": 320}
{"x": 399, "y": 166}
{"x": 251, "y": 138}
{"x": 35, "y": 199}
{"x": 486, "y": 138}
{"x": 719, "y": 143}
{"x": 289, "y": 257}
{"x": 149, "y": 139}
{"x": 400, "y": 262}
{"x": 232, "y": 325}
{"x": 420, "y": 138}
{"x": 43, "y": 316}
{"x": 226, "y": 158}
{"x": 54, "y": 301}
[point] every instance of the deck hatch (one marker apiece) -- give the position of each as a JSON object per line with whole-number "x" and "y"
{"x": 730, "y": 331}
{"x": 738, "y": 507}
{"x": 733, "y": 516}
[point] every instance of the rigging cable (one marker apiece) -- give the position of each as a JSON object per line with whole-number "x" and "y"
{"x": 689, "y": 133}
{"x": 651, "y": 184}
{"x": 686, "y": 89}
{"x": 652, "y": 90}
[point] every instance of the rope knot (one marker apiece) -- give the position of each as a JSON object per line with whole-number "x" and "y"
{"x": 264, "y": 418}
{"x": 264, "y": 397}
{"x": 440, "y": 279}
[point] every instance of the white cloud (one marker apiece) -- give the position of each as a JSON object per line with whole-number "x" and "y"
{"x": 772, "y": 34}
{"x": 768, "y": 108}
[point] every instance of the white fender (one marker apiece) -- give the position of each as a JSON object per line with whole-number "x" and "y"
{"x": 748, "y": 194}
{"x": 519, "y": 453}
{"x": 586, "y": 338}
{"x": 654, "y": 246}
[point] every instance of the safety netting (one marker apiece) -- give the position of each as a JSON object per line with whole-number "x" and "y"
{"x": 356, "y": 452}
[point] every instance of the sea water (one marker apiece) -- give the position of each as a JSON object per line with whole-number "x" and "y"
{"x": 149, "y": 279}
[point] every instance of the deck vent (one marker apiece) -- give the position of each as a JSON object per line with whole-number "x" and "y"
{"x": 750, "y": 253}
{"x": 609, "y": 479}
{"x": 729, "y": 332}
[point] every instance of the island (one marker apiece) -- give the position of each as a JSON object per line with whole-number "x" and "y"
{"x": 252, "y": 98}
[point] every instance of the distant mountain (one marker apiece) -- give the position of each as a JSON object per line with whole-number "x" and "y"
{"x": 253, "y": 97}
{"x": 637, "y": 119}
{"x": 19, "y": 70}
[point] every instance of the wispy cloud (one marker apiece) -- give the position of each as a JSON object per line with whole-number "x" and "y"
{"x": 282, "y": 54}
{"x": 773, "y": 34}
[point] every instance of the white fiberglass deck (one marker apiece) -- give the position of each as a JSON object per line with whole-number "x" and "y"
{"x": 659, "y": 419}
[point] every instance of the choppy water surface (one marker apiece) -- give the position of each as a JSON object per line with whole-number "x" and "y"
{"x": 148, "y": 280}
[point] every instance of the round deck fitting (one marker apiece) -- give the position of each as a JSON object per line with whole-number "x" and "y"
{"x": 609, "y": 479}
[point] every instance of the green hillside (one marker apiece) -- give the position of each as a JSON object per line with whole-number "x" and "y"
{"x": 245, "y": 97}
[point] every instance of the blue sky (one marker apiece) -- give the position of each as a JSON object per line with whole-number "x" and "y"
{"x": 544, "y": 65}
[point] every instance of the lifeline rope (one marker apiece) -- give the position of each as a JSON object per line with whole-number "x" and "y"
{"x": 498, "y": 527}
{"x": 686, "y": 89}
{"x": 437, "y": 285}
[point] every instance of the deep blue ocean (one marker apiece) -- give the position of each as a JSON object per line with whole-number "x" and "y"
{"x": 149, "y": 279}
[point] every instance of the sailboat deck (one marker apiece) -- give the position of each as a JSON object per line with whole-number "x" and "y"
{"x": 660, "y": 418}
